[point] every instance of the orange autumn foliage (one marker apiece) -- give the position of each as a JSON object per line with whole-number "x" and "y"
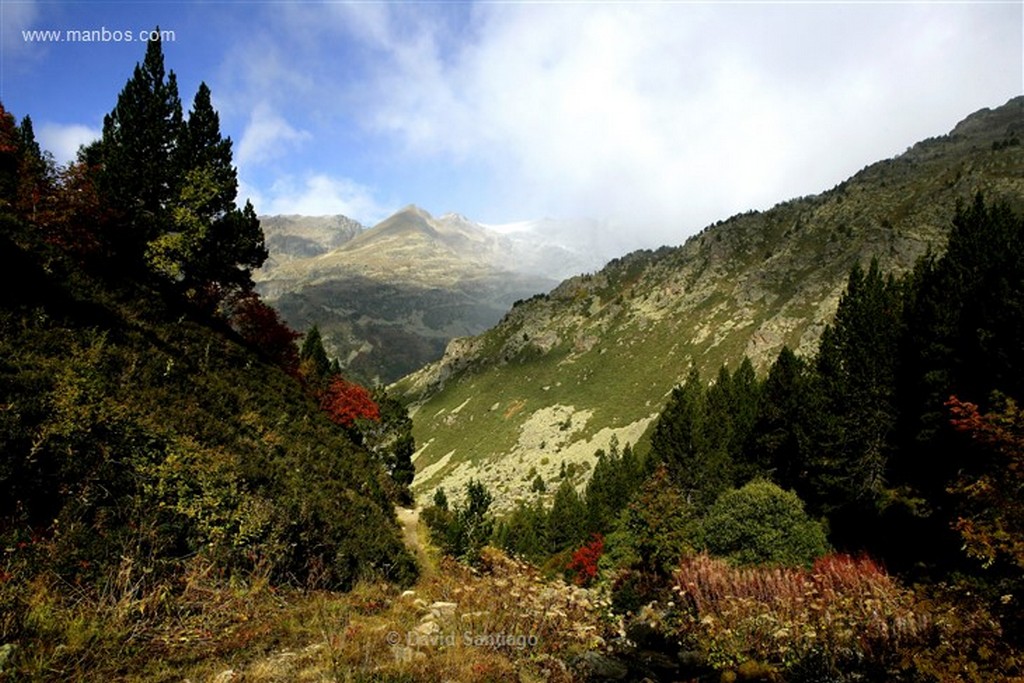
{"x": 345, "y": 402}
{"x": 991, "y": 522}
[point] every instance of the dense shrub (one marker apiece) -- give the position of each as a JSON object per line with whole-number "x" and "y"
{"x": 131, "y": 436}
{"x": 463, "y": 530}
{"x": 761, "y": 523}
{"x": 843, "y": 619}
{"x": 583, "y": 565}
{"x": 660, "y": 525}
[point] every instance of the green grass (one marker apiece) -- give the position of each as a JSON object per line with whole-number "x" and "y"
{"x": 797, "y": 255}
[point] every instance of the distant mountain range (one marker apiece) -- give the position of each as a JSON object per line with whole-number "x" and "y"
{"x": 568, "y": 372}
{"x": 389, "y": 298}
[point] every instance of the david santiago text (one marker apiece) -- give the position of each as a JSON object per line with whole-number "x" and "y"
{"x": 469, "y": 639}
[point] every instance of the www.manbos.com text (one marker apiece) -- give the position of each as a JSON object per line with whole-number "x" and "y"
{"x": 97, "y": 35}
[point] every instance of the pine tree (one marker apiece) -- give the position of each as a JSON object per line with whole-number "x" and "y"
{"x": 202, "y": 147}
{"x": 390, "y": 440}
{"x": 313, "y": 357}
{"x": 10, "y": 156}
{"x": 744, "y": 406}
{"x": 964, "y": 328}
{"x": 600, "y": 492}
{"x": 523, "y": 532}
{"x": 781, "y": 440}
{"x": 233, "y": 249}
{"x": 857, "y": 367}
{"x": 140, "y": 178}
{"x": 566, "y": 520}
{"x": 683, "y": 441}
{"x": 463, "y": 531}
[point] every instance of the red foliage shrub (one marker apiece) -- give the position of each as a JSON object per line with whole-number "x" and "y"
{"x": 345, "y": 402}
{"x": 584, "y": 561}
{"x": 991, "y": 515}
{"x": 841, "y": 606}
{"x": 261, "y": 328}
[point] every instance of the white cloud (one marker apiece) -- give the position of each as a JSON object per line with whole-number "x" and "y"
{"x": 267, "y": 136}
{"x": 317, "y": 194}
{"x": 16, "y": 17}
{"x": 660, "y": 116}
{"x": 681, "y": 114}
{"x": 63, "y": 141}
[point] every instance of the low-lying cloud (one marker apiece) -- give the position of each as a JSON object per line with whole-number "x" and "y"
{"x": 661, "y": 117}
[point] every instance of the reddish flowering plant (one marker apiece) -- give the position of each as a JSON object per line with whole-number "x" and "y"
{"x": 261, "y": 328}
{"x": 345, "y": 402}
{"x": 584, "y": 561}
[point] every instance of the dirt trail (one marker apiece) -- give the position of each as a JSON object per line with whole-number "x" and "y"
{"x": 412, "y": 534}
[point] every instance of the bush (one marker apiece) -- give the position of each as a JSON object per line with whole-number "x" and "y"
{"x": 583, "y": 566}
{"x": 762, "y": 524}
{"x": 843, "y": 619}
{"x": 660, "y": 525}
{"x": 462, "y": 531}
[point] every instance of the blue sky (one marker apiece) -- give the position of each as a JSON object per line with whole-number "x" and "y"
{"x": 657, "y": 118}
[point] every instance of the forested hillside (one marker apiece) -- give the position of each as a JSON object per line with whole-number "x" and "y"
{"x": 829, "y": 488}
{"x": 598, "y": 355}
{"x": 160, "y": 433}
{"x": 748, "y": 534}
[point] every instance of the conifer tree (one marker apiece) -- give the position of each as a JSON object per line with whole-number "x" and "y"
{"x": 566, "y": 520}
{"x": 139, "y": 148}
{"x": 613, "y": 483}
{"x": 202, "y": 147}
{"x": 718, "y": 426}
{"x": 857, "y": 367}
{"x": 391, "y": 441}
{"x": 600, "y": 492}
{"x": 313, "y": 357}
{"x": 963, "y": 326}
{"x": 782, "y": 434}
{"x": 744, "y": 405}
{"x": 233, "y": 249}
{"x": 36, "y": 174}
{"x": 10, "y": 156}
{"x": 523, "y": 532}
{"x": 681, "y": 440}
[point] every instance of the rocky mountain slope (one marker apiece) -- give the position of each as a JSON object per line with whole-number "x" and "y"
{"x": 567, "y": 372}
{"x": 296, "y": 237}
{"x": 389, "y": 298}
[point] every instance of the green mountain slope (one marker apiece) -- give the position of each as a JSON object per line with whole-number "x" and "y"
{"x": 564, "y": 373}
{"x": 136, "y": 433}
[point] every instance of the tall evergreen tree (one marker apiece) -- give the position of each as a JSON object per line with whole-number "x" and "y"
{"x": 211, "y": 246}
{"x": 566, "y": 519}
{"x": 746, "y": 398}
{"x": 36, "y": 174}
{"x": 10, "y": 155}
{"x": 964, "y": 328}
{"x": 523, "y": 532}
{"x": 698, "y": 466}
{"x": 203, "y": 147}
{"x": 782, "y": 436}
{"x": 141, "y": 136}
{"x": 313, "y": 357}
{"x": 391, "y": 441}
{"x": 857, "y": 367}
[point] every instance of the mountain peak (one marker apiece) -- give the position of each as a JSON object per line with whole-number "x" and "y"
{"x": 412, "y": 210}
